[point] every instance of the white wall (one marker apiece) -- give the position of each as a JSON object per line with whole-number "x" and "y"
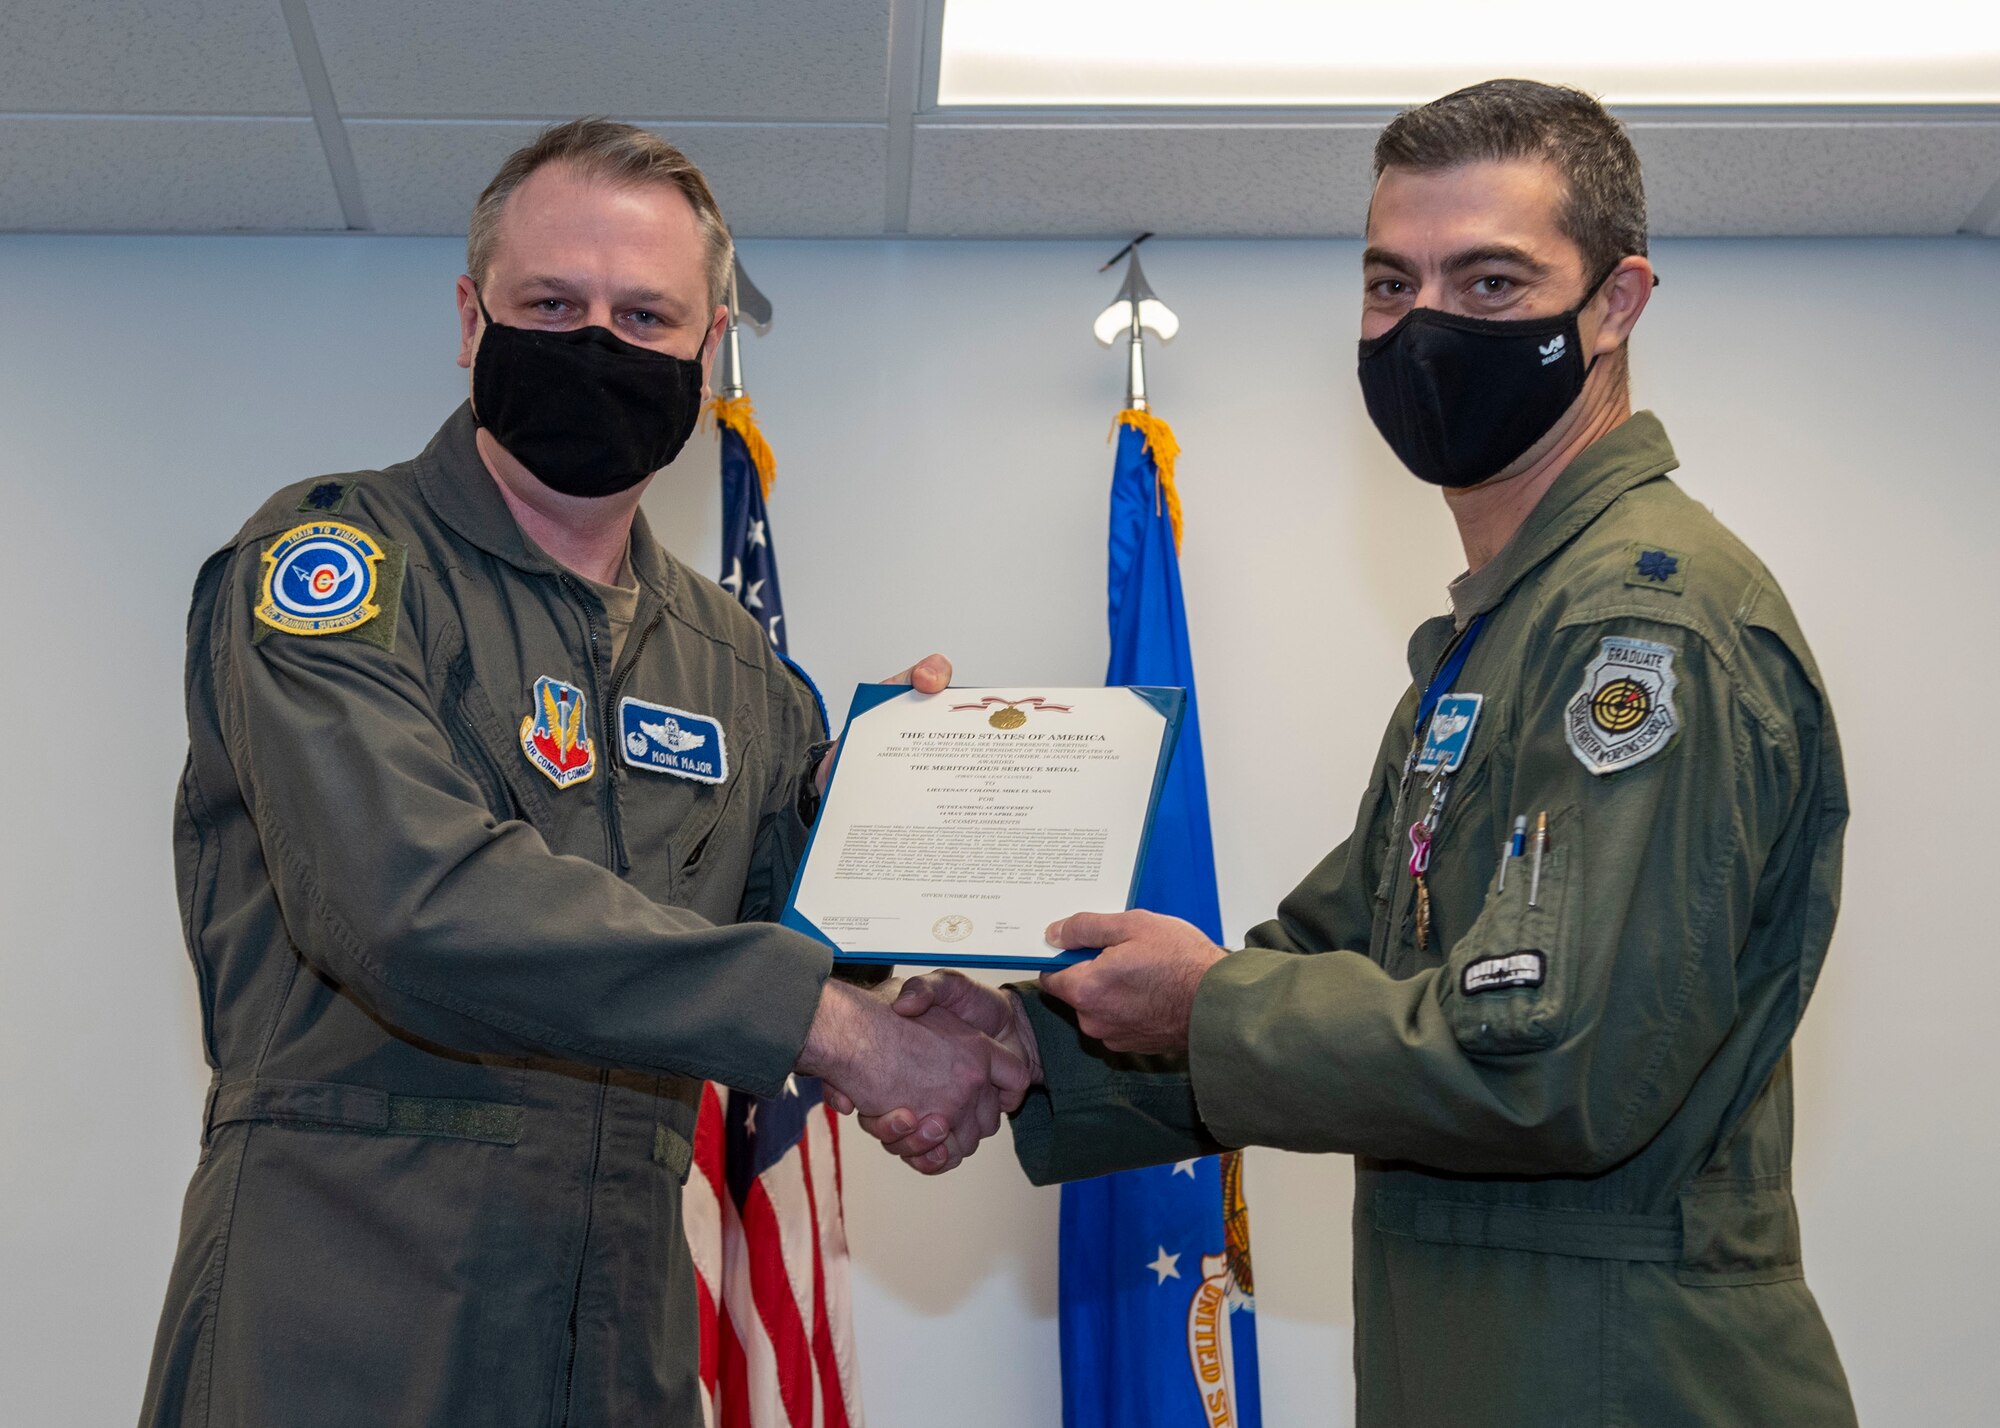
{"x": 939, "y": 413}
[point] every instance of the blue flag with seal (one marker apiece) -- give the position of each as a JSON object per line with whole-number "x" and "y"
{"x": 1158, "y": 1321}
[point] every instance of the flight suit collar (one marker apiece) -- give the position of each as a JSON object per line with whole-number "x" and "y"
{"x": 1631, "y": 454}
{"x": 455, "y": 482}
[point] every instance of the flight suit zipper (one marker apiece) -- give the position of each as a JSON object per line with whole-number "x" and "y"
{"x": 614, "y": 840}
{"x": 623, "y": 863}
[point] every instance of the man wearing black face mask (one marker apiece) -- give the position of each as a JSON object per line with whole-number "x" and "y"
{"x": 1545, "y": 992}
{"x": 488, "y": 805}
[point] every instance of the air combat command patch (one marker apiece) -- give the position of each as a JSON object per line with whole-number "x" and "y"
{"x": 556, "y": 737}
{"x": 321, "y": 578}
{"x": 1624, "y": 713}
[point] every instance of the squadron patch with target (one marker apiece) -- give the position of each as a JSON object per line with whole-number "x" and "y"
{"x": 324, "y": 578}
{"x": 1624, "y": 712}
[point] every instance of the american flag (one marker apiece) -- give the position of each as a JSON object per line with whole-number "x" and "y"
{"x": 749, "y": 560}
{"x": 764, "y": 1220}
{"x": 763, "y": 1210}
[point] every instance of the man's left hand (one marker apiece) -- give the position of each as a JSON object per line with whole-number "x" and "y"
{"x": 1136, "y": 995}
{"x": 928, "y": 675}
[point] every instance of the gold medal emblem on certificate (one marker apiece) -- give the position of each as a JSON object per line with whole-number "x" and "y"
{"x": 952, "y": 928}
{"x": 1008, "y": 716}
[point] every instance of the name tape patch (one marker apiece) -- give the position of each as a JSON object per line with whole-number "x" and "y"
{"x": 1499, "y": 974}
{"x": 1623, "y": 713}
{"x": 662, "y": 739}
{"x": 1449, "y": 734}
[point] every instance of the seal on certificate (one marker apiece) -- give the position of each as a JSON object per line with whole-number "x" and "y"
{"x": 952, "y": 928}
{"x": 1008, "y": 716}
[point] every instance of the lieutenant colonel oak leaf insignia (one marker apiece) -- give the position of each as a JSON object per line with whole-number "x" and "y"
{"x": 326, "y": 497}
{"x": 1623, "y": 713}
{"x": 1654, "y": 567}
{"x": 331, "y": 578}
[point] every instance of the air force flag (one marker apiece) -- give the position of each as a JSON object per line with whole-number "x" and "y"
{"x": 1158, "y": 1323}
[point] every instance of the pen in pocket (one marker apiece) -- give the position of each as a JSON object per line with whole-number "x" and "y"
{"x": 1541, "y": 847}
{"x": 1512, "y": 849}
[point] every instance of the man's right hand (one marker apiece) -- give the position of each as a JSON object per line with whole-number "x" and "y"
{"x": 883, "y": 1063}
{"x": 924, "y": 1142}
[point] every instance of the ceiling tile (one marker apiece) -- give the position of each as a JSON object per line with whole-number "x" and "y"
{"x": 772, "y": 180}
{"x": 777, "y": 59}
{"x": 148, "y": 57}
{"x": 1192, "y": 180}
{"x": 1778, "y": 180}
{"x": 153, "y": 175}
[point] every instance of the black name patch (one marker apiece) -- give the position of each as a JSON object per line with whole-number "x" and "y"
{"x": 1499, "y": 974}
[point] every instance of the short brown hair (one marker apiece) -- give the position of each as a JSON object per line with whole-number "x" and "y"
{"x": 617, "y": 153}
{"x": 1604, "y": 208}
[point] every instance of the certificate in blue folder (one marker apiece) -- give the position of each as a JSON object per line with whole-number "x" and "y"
{"x": 959, "y": 825}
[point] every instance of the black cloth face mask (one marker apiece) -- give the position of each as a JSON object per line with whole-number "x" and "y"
{"x": 1460, "y": 398}
{"x": 587, "y": 412}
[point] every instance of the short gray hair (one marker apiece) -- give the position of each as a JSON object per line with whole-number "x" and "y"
{"x": 617, "y": 153}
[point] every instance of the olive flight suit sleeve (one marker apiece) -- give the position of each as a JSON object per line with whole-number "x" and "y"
{"x": 1097, "y": 1111}
{"x": 798, "y": 725}
{"x": 397, "y": 881}
{"x": 1556, "y": 1038}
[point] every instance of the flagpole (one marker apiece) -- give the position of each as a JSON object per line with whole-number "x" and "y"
{"x": 1136, "y": 311}
{"x": 731, "y": 375}
{"x": 1135, "y": 374}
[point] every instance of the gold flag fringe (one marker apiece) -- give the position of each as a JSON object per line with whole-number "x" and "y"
{"x": 737, "y": 414}
{"x": 1160, "y": 441}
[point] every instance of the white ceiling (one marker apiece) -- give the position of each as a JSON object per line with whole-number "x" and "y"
{"x": 813, "y": 118}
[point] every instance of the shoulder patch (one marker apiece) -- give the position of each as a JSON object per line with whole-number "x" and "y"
{"x": 1624, "y": 712}
{"x": 331, "y": 578}
{"x": 326, "y": 498}
{"x": 1654, "y": 567}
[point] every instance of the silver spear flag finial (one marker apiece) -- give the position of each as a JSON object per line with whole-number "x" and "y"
{"x": 1135, "y": 312}
{"x": 745, "y": 301}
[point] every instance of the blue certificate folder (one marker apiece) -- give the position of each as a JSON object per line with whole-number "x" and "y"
{"x": 1170, "y": 703}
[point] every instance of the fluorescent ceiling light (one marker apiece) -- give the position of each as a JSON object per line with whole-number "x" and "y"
{"x": 1322, "y": 52}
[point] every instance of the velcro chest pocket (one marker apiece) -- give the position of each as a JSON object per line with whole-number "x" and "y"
{"x": 1507, "y": 987}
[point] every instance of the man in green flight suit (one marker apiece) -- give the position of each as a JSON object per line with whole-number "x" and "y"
{"x": 1562, "y": 1065}
{"x": 489, "y": 804}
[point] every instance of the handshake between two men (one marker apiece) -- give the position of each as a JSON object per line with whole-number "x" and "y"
{"x": 931, "y": 1063}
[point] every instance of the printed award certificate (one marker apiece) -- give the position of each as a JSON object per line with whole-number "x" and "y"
{"x": 959, "y": 825}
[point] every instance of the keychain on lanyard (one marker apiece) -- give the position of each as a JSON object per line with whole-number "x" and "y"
{"x": 1423, "y": 832}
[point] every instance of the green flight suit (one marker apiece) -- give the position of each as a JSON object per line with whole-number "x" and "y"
{"x": 1572, "y": 1120}
{"x": 459, "y": 1005}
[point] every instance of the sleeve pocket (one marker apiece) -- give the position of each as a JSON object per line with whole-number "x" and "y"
{"x": 1507, "y": 986}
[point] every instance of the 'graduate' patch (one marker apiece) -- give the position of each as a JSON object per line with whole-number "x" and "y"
{"x": 660, "y": 739}
{"x": 1624, "y": 713}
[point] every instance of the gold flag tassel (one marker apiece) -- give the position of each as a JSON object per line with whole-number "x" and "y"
{"x": 1160, "y": 442}
{"x": 737, "y": 414}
